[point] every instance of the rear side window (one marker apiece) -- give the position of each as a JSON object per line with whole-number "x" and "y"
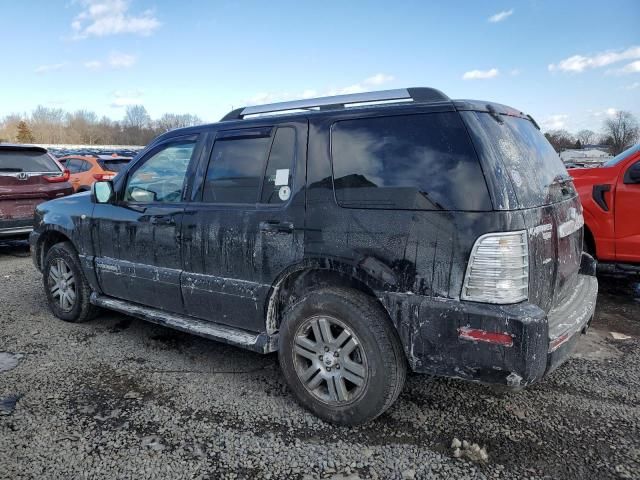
{"x": 249, "y": 170}
{"x": 113, "y": 165}
{"x": 412, "y": 162}
{"x": 536, "y": 172}
{"x": 75, "y": 165}
{"x": 26, "y": 161}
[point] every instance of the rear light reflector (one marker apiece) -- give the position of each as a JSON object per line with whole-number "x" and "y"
{"x": 104, "y": 176}
{"x": 498, "y": 269}
{"x": 63, "y": 177}
{"x": 477, "y": 335}
{"x": 558, "y": 342}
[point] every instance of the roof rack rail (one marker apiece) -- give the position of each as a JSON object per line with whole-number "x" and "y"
{"x": 421, "y": 95}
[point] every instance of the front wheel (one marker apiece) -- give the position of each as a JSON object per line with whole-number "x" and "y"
{"x": 66, "y": 288}
{"x": 341, "y": 356}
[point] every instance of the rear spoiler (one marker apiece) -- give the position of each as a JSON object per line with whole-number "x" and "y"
{"x": 492, "y": 108}
{"x": 20, "y": 147}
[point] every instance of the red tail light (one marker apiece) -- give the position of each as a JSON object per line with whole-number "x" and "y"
{"x": 104, "y": 176}
{"x": 59, "y": 178}
{"x": 477, "y": 335}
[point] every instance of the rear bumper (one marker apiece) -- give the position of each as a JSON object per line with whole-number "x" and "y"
{"x": 15, "y": 228}
{"x": 430, "y": 330}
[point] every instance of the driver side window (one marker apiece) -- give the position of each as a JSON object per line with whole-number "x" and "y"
{"x": 162, "y": 175}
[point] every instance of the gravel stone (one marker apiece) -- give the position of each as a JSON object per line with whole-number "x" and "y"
{"x": 120, "y": 398}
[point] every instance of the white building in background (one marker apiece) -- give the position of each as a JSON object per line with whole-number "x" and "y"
{"x": 587, "y": 155}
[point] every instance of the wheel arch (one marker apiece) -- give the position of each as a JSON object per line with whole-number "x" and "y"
{"x": 294, "y": 282}
{"x": 48, "y": 239}
{"x": 589, "y": 242}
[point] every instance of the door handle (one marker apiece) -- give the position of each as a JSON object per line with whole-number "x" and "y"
{"x": 276, "y": 226}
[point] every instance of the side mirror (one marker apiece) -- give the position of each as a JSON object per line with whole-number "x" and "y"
{"x": 633, "y": 174}
{"x": 102, "y": 191}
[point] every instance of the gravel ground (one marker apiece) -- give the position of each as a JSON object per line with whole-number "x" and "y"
{"x": 120, "y": 398}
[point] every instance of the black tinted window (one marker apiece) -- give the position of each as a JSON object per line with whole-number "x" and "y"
{"x": 421, "y": 162}
{"x": 235, "y": 170}
{"x": 113, "y": 165}
{"x": 74, "y": 165}
{"x": 277, "y": 179}
{"x": 25, "y": 161}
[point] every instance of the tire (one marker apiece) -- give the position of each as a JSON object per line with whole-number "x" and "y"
{"x": 75, "y": 307}
{"x": 341, "y": 356}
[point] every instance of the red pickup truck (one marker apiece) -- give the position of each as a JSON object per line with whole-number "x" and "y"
{"x": 610, "y": 196}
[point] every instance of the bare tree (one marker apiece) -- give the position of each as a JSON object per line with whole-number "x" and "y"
{"x": 171, "y": 121}
{"x": 621, "y": 131}
{"x": 137, "y": 117}
{"x": 586, "y": 137}
{"x": 9, "y": 127}
{"x": 47, "y": 124}
{"x": 560, "y": 139}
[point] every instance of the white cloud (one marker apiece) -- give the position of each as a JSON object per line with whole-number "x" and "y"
{"x": 609, "y": 112}
{"x": 124, "y": 98}
{"x": 115, "y": 60}
{"x": 500, "y": 16}
{"x": 580, "y": 63}
{"x": 633, "y": 67}
{"x": 121, "y": 60}
{"x": 555, "y": 122}
{"x": 93, "y": 65}
{"x": 515, "y": 72}
{"x": 49, "y": 68}
{"x": 480, "y": 74}
{"x": 367, "y": 84}
{"x": 632, "y": 86}
{"x": 100, "y": 18}
{"x": 378, "y": 79}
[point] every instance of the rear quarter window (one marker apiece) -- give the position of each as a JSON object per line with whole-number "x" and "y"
{"x": 26, "y": 161}
{"x": 516, "y": 147}
{"x": 409, "y": 162}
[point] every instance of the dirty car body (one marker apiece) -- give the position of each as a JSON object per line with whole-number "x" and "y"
{"x": 454, "y": 219}
{"x": 28, "y": 176}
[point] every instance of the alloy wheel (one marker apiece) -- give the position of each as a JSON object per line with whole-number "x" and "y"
{"x": 330, "y": 360}
{"x": 62, "y": 285}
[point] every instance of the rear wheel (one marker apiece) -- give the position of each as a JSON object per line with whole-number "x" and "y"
{"x": 341, "y": 356}
{"x": 66, "y": 288}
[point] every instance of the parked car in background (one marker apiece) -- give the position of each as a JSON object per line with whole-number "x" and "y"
{"x": 354, "y": 236}
{"x": 87, "y": 169}
{"x": 29, "y": 175}
{"x": 610, "y": 196}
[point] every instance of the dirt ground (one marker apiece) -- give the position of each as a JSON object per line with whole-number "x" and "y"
{"x": 121, "y": 398}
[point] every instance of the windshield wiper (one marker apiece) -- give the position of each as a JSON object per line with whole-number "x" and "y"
{"x": 10, "y": 169}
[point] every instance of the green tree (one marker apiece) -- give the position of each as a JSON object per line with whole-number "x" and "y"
{"x": 24, "y": 133}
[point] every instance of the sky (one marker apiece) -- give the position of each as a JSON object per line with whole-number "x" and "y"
{"x": 569, "y": 64}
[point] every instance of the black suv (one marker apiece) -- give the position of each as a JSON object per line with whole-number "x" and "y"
{"x": 357, "y": 236}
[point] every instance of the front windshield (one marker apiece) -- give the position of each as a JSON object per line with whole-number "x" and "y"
{"x": 621, "y": 156}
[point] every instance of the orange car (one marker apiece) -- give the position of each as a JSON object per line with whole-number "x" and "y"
{"x": 86, "y": 169}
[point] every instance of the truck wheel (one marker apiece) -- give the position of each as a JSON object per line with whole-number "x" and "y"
{"x": 66, "y": 288}
{"x": 341, "y": 356}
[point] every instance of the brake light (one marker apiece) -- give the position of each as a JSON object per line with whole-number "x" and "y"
{"x": 63, "y": 177}
{"x": 498, "y": 269}
{"x": 104, "y": 176}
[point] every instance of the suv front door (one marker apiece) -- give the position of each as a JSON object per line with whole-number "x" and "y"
{"x": 137, "y": 238}
{"x": 627, "y": 226}
{"x": 245, "y": 224}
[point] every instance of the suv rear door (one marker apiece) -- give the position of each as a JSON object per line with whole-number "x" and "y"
{"x": 138, "y": 237}
{"x": 245, "y": 223}
{"x": 28, "y": 177}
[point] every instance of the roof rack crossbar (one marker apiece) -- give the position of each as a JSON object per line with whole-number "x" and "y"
{"x": 339, "y": 101}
